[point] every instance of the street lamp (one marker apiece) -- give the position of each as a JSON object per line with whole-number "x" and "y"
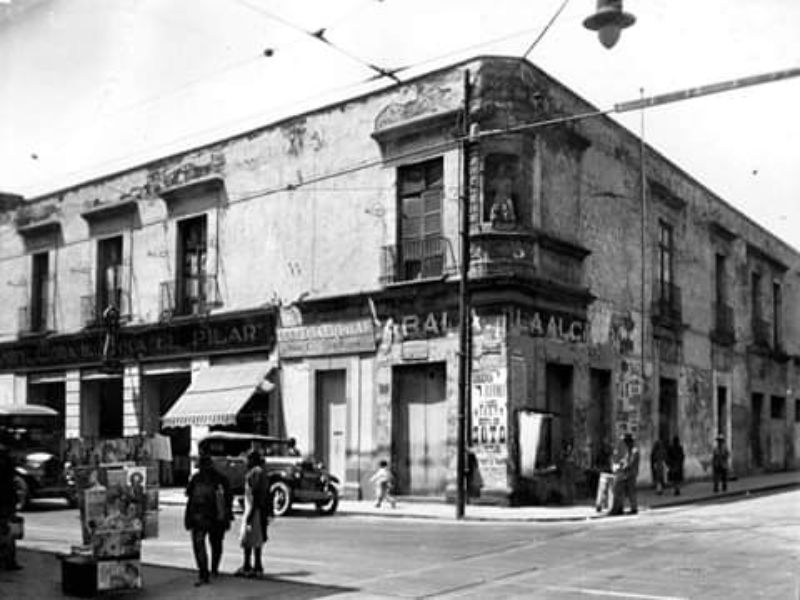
{"x": 609, "y": 21}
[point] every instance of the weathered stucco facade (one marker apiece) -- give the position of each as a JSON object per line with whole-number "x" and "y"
{"x": 327, "y": 245}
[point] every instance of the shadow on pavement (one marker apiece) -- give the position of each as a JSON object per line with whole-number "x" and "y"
{"x": 40, "y": 579}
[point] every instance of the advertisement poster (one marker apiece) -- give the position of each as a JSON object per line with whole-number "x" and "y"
{"x": 490, "y": 425}
{"x": 118, "y": 575}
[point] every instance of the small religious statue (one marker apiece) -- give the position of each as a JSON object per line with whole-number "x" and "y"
{"x": 502, "y": 212}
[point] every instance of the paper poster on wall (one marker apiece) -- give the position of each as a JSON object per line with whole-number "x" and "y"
{"x": 489, "y": 435}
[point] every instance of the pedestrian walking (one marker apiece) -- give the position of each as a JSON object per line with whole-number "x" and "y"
{"x": 675, "y": 459}
{"x": 719, "y": 464}
{"x": 8, "y": 509}
{"x": 383, "y": 480}
{"x": 209, "y": 513}
{"x": 258, "y": 511}
{"x": 627, "y": 470}
{"x": 658, "y": 462}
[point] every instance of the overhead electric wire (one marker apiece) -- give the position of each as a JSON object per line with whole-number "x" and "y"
{"x": 640, "y": 104}
{"x": 546, "y": 28}
{"x": 380, "y": 72}
{"x": 319, "y": 35}
{"x": 148, "y": 100}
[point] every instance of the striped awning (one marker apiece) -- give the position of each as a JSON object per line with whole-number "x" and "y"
{"x": 218, "y": 393}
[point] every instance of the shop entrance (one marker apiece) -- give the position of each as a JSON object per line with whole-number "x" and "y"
{"x": 667, "y": 408}
{"x": 419, "y": 429}
{"x": 557, "y": 431}
{"x": 101, "y": 407}
{"x": 162, "y": 391}
{"x": 722, "y": 410}
{"x": 755, "y": 429}
{"x": 331, "y": 420}
{"x": 599, "y": 418}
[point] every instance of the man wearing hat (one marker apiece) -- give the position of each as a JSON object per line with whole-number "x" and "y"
{"x": 625, "y": 477}
{"x": 719, "y": 464}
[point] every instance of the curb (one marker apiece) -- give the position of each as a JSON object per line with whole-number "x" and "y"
{"x": 729, "y": 494}
{"x": 510, "y": 518}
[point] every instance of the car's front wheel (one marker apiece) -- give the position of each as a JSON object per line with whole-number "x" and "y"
{"x": 23, "y": 492}
{"x": 329, "y": 506}
{"x": 281, "y": 498}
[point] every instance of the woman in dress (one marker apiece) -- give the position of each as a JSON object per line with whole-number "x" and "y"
{"x": 257, "y": 513}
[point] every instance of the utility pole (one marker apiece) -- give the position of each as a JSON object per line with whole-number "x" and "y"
{"x": 464, "y": 350}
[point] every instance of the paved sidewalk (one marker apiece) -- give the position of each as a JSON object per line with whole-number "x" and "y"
{"x": 695, "y": 491}
{"x": 40, "y": 579}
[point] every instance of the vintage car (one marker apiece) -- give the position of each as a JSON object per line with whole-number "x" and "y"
{"x": 31, "y": 435}
{"x": 293, "y": 478}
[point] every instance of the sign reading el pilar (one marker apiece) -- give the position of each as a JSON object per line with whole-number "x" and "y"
{"x": 209, "y": 336}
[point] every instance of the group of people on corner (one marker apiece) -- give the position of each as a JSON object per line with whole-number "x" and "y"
{"x": 666, "y": 465}
{"x": 209, "y": 514}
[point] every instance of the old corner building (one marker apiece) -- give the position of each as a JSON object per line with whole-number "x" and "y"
{"x": 302, "y": 279}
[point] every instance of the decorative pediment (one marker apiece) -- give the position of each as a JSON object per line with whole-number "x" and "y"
{"x": 40, "y": 227}
{"x": 719, "y": 230}
{"x": 99, "y": 211}
{"x": 762, "y": 255}
{"x": 666, "y": 196}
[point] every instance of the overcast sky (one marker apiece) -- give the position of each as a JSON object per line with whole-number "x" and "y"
{"x": 92, "y": 86}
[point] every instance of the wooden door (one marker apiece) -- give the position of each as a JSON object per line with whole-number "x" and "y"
{"x": 419, "y": 429}
{"x": 331, "y": 420}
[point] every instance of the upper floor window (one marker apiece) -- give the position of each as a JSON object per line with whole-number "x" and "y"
{"x": 777, "y": 409}
{"x": 40, "y": 292}
{"x": 777, "y": 310}
{"x": 420, "y": 196}
{"x": 755, "y": 296}
{"x": 109, "y": 273}
{"x": 190, "y": 289}
{"x": 666, "y": 252}
{"x": 720, "y": 279}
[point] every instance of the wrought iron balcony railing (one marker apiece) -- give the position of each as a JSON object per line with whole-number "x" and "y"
{"x": 191, "y": 296}
{"x": 723, "y": 322}
{"x": 761, "y": 332}
{"x": 417, "y": 259}
{"x": 35, "y": 319}
{"x": 92, "y": 308}
{"x": 667, "y": 304}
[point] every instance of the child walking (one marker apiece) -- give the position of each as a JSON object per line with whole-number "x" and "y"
{"x": 383, "y": 479}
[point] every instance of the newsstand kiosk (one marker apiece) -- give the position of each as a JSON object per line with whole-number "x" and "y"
{"x": 117, "y": 484}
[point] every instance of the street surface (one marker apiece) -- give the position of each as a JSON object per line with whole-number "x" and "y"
{"x": 740, "y": 549}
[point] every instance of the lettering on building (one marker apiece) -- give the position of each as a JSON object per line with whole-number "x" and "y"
{"x": 550, "y": 325}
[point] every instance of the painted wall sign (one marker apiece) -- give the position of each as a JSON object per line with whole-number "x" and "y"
{"x": 405, "y": 328}
{"x": 206, "y": 336}
{"x": 341, "y": 337}
{"x": 550, "y": 325}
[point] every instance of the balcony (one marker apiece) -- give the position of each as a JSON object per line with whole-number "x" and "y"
{"x": 762, "y": 333}
{"x": 417, "y": 259}
{"x": 195, "y": 296}
{"x": 32, "y": 320}
{"x": 723, "y": 331}
{"x": 92, "y": 308}
{"x": 666, "y": 309}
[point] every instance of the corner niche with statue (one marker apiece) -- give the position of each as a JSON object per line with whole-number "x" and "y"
{"x": 507, "y": 238}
